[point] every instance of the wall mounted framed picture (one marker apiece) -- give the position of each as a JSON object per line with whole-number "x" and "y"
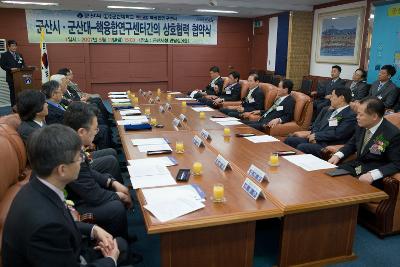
{"x": 340, "y": 36}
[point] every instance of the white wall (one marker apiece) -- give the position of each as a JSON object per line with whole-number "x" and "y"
{"x": 324, "y": 69}
{"x": 272, "y": 41}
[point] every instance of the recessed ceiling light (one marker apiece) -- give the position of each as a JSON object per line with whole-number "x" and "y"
{"x": 216, "y": 11}
{"x": 29, "y": 3}
{"x": 131, "y": 7}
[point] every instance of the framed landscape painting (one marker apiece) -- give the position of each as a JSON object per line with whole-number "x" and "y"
{"x": 339, "y": 36}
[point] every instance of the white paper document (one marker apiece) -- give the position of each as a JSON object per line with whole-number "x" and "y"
{"x": 117, "y": 93}
{"x": 149, "y": 141}
{"x": 199, "y": 109}
{"x": 128, "y": 112}
{"x": 224, "y": 119}
{"x": 174, "y": 93}
{"x": 121, "y": 100}
{"x": 229, "y": 123}
{"x": 148, "y": 168}
{"x": 184, "y": 98}
{"x": 309, "y": 162}
{"x": 262, "y": 139}
{"x": 166, "y": 161}
{"x": 145, "y": 148}
{"x": 132, "y": 122}
{"x": 159, "y": 194}
{"x": 133, "y": 118}
{"x": 117, "y": 96}
{"x": 170, "y": 209}
{"x": 149, "y": 180}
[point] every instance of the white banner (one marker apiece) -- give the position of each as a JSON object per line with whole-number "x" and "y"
{"x": 124, "y": 28}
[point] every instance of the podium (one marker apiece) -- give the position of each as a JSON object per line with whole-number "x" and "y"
{"x": 23, "y": 79}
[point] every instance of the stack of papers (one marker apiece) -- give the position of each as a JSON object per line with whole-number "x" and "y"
{"x": 184, "y": 98}
{"x": 147, "y": 174}
{"x": 145, "y": 148}
{"x": 198, "y": 109}
{"x": 133, "y": 120}
{"x": 120, "y": 100}
{"x": 224, "y": 119}
{"x": 229, "y": 123}
{"x": 262, "y": 139}
{"x": 309, "y": 162}
{"x": 117, "y": 93}
{"x": 149, "y": 141}
{"x": 168, "y": 203}
{"x": 174, "y": 93}
{"x": 127, "y": 112}
{"x": 166, "y": 161}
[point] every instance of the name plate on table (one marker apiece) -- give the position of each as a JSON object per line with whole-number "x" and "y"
{"x": 197, "y": 141}
{"x": 149, "y": 93}
{"x": 206, "y": 135}
{"x": 162, "y": 110}
{"x": 140, "y": 91}
{"x": 151, "y": 100}
{"x": 222, "y": 163}
{"x": 257, "y": 174}
{"x": 182, "y": 117}
{"x": 158, "y": 99}
{"x": 252, "y": 189}
{"x": 176, "y": 122}
{"x": 167, "y": 106}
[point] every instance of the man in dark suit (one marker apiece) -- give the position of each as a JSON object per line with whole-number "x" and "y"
{"x": 95, "y": 192}
{"x": 39, "y": 229}
{"x": 359, "y": 88}
{"x": 333, "y": 126}
{"x": 376, "y": 144}
{"x": 384, "y": 88}
{"x": 32, "y": 109}
{"x": 231, "y": 92}
{"x": 53, "y": 93}
{"x": 10, "y": 61}
{"x": 281, "y": 111}
{"x": 253, "y": 101}
{"x": 324, "y": 90}
{"x": 214, "y": 87}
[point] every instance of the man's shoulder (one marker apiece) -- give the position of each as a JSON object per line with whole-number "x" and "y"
{"x": 390, "y": 128}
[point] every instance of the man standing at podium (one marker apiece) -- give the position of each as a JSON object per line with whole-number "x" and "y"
{"x": 10, "y": 61}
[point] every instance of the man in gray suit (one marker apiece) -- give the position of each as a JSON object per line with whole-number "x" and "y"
{"x": 384, "y": 88}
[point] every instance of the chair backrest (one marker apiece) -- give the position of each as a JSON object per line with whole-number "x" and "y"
{"x": 394, "y": 118}
{"x": 13, "y": 120}
{"x": 270, "y": 92}
{"x": 303, "y": 109}
{"x": 244, "y": 88}
{"x": 306, "y": 85}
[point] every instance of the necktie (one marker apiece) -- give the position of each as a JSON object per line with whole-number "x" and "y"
{"x": 276, "y": 103}
{"x": 14, "y": 56}
{"x": 380, "y": 86}
{"x": 353, "y": 84}
{"x": 334, "y": 113}
{"x": 367, "y": 137}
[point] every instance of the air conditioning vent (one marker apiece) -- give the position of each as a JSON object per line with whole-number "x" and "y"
{"x": 4, "y": 91}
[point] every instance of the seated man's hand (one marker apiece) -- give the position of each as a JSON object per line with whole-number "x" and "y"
{"x": 366, "y": 178}
{"x": 240, "y": 109}
{"x": 274, "y": 122}
{"x": 331, "y": 149}
{"x": 246, "y": 115}
{"x": 216, "y": 89}
{"x": 13, "y": 69}
{"x": 109, "y": 252}
{"x": 126, "y": 199}
{"x": 302, "y": 134}
{"x": 218, "y": 101}
{"x": 328, "y": 96}
{"x": 311, "y": 138}
{"x": 334, "y": 160}
{"x": 255, "y": 112}
{"x": 118, "y": 187}
{"x": 101, "y": 235}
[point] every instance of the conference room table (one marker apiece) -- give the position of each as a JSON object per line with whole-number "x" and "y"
{"x": 318, "y": 212}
